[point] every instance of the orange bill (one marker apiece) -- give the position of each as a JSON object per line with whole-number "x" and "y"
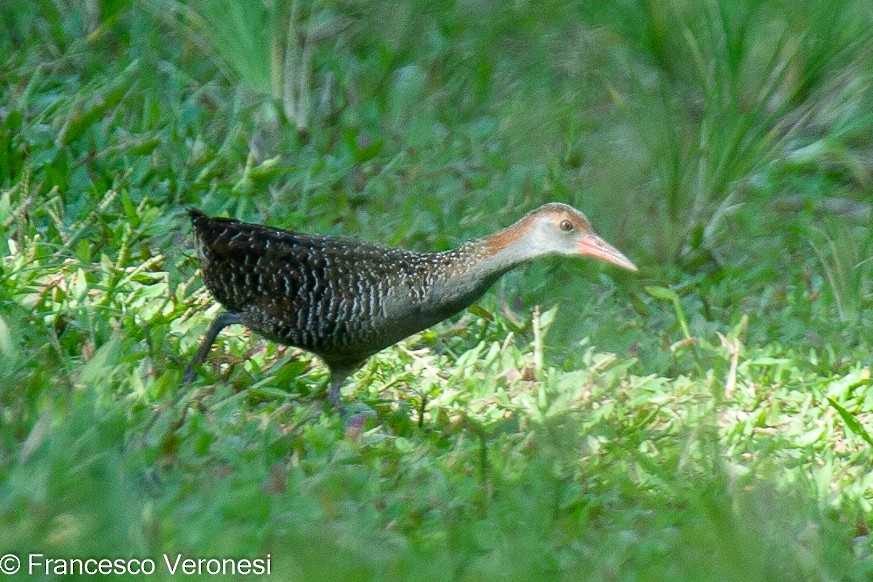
{"x": 594, "y": 246}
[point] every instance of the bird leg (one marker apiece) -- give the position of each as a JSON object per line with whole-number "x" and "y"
{"x": 221, "y": 321}
{"x": 333, "y": 392}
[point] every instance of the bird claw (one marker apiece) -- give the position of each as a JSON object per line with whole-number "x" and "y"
{"x": 189, "y": 375}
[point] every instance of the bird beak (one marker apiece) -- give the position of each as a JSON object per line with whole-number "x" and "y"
{"x": 594, "y": 246}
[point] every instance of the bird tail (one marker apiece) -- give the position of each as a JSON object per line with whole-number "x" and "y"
{"x": 195, "y": 214}
{"x": 198, "y": 219}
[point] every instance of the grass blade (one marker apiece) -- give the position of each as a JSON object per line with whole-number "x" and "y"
{"x": 852, "y": 423}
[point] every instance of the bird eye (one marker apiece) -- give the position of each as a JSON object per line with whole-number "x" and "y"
{"x": 566, "y": 225}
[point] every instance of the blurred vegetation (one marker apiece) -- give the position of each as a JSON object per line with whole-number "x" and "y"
{"x": 706, "y": 419}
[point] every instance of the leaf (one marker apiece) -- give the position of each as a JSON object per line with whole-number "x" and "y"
{"x": 768, "y": 361}
{"x": 5, "y": 206}
{"x": 811, "y": 436}
{"x": 144, "y": 147}
{"x": 96, "y": 108}
{"x": 267, "y": 169}
{"x": 98, "y": 370}
{"x": 477, "y": 309}
{"x": 667, "y": 294}
{"x": 548, "y": 317}
{"x": 6, "y": 343}
{"x": 851, "y": 422}
{"x": 662, "y": 293}
{"x": 638, "y": 305}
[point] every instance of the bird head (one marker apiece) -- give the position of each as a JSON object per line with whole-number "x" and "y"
{"x": 561, "y": 229}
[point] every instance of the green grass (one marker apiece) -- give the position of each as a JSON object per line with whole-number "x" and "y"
{"x": 707, "y": 419}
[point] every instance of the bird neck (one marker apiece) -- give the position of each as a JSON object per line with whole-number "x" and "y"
{"x": 452, "y": 280}
{"x": 476, "y": 265}
{"x": 502, "y": 251}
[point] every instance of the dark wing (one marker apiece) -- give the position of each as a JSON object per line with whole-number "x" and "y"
{"x": 316, "y": 292}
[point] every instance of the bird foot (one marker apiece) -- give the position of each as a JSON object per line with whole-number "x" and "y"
{"x": 189, "y": 375}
